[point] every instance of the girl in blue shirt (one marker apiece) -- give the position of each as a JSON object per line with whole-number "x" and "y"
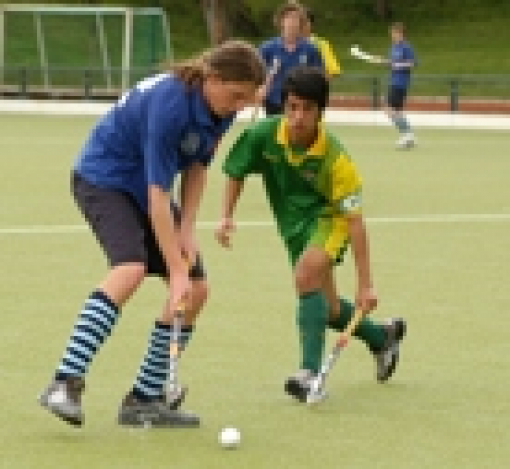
{"x": 123, "y": 183}
{"x": 282, "y": 54}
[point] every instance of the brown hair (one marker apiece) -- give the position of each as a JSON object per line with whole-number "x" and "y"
{"x": 231, "y": 61}
{"x": 285, "y": 8}
{"x": 399, "y": 26}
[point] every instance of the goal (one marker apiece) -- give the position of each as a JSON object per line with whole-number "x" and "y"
{"x": 57, "y": 45}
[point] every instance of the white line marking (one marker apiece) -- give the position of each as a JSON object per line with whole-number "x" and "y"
{"x": 440, "y": 218}
{"x": 443, "y": 218}
{"x": 334, "y": 116}
{"x": 42, "y": 229}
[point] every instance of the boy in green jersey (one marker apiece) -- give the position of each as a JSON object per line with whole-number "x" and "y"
{"x": 314, "y": 191}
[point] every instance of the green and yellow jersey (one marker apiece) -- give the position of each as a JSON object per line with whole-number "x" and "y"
{"x": 310, "y": 191}
{"x": 331, "y": 63}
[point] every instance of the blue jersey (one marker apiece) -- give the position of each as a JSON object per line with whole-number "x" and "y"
{"x": 156, "y": 130}
{"x": 273, "y": 52}
{"x": 401, "y": 52}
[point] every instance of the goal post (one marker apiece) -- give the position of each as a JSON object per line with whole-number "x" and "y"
{"x": 128, "y": 47}
{"x": 2, "y": 43}
{"x": 104, "y": 39}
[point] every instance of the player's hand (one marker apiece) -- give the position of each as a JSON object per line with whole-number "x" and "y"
{"x": 224, "y": 232}
{"x": 188, "y": 244}
{"x": 180, "y": 285}
{"x": 366, "y": 299}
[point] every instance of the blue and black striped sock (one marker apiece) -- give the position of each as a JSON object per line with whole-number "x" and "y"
{"x": 153, "y": 372}
{"x": 186, "y": 334}
{"x": 402, "y": 124}
{"x": 94, "y": 325}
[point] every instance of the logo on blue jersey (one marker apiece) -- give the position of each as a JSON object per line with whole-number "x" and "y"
{"x": 190, "y": 144}
{"x": 303, "y": 59}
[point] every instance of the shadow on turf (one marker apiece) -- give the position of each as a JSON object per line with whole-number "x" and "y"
{"x": 361, "y": 397}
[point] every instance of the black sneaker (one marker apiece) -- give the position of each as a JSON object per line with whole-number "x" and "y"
{"x": 63, "y": 398}
{"x": 154, "y": 413}
{"x": 298, "y": 385}
{"x": 386, "y": 360}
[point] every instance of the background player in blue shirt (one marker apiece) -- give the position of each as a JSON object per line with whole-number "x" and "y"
{"x": 281, "y": 54}
{"x": 123, "y": 183}
{"x": 402, "y": 61}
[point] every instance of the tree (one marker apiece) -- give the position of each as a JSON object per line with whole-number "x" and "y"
{"x": 383, "y": 8}
{"x": 216, "y": 14}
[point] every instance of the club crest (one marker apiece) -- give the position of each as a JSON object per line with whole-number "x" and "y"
{"x": 190, "y": 144}
{"x": 308, "y": 174}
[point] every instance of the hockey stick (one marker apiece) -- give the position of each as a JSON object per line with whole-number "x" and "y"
{"x": 316, "y": 393}
{"x": 172, "y": 385}
{"x": 365, "y": 56}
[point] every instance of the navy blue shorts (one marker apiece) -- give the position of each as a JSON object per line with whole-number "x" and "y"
{"x": 397, "y": 98}
{"x": 122, "y": 229}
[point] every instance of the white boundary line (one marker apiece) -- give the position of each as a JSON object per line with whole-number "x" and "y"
{"x": 421, "y": 119}
{"x": 442, "y": 218}
{"x": 333, "y": 116}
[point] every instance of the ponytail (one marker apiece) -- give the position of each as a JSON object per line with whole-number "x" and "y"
{"x": 235, "y": 61}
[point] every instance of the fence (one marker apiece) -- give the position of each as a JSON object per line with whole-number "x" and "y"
{"x": 450, "y": 89}
{"x": 367, "y": 89}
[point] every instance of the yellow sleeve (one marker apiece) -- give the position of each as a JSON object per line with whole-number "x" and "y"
{"x": 346, "y": 184}
{"x": 329, "y": 58}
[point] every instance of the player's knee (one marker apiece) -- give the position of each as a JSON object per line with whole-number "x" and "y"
{"x": 200, "y": 292}
{"x": 310, "y": 271}
{"x": 307, "y": 280}
{"x": 134, "y": 273}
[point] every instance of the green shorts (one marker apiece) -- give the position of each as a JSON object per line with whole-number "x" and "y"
{"x": 327, "y": 233}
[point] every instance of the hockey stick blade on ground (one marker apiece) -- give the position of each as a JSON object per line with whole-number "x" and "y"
{"x": 317, "y": 392}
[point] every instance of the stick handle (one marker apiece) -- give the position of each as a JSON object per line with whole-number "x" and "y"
{"x": 318, "y": 382}
{"x": 351, "y": 327}
{"x": 174, "y": 348}
{"x": 178, "y": 318}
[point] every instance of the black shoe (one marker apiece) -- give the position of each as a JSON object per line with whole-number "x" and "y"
{"x": 298, "y": 385}
{"x": 63, "y": 398}
{"x": 154, "y": 413}
{"x": 386, "y": 360}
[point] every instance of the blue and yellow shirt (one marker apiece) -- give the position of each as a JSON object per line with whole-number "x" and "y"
{"x": 274, "y": 52}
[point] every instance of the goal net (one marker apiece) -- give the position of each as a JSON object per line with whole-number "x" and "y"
{"x": 60, "y": 46}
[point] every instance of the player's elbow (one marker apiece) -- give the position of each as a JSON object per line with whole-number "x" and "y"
{"x": 235, "y": 182}
{"x": 355, "y": 223}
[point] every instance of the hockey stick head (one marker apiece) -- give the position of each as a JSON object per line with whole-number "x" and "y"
{"x": 355, "y": 50}
{"x": 316, "y": 393}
